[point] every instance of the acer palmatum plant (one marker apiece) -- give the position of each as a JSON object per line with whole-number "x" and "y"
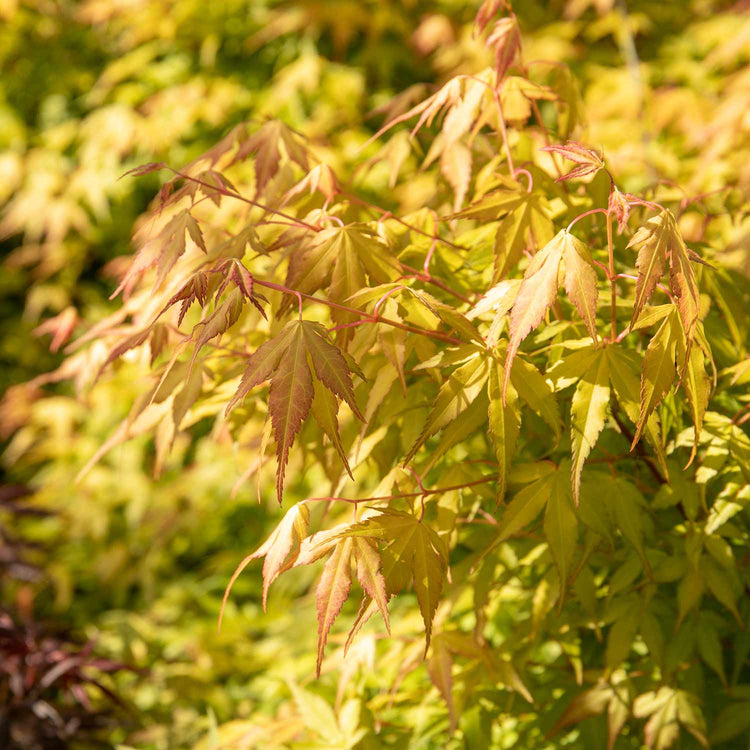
{"x": 504, "y": 386}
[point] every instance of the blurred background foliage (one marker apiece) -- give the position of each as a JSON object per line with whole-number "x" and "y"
{"x": 137, "y": 565}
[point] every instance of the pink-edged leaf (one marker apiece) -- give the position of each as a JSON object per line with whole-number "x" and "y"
{"x": 537, "y": 294}
{"x": 576, "y": 152}
{"x": 331, "y": 367}
{"x": 486, "y": 12}
{"x": 332, "y": 591}
{"x": 61, "y": 327}
{"x": 152, "y": 166}
{"x": 370, "y": 576}
{"x": 652, "y": 243}
{"x": 284, "y": 541}
{"x": 683, "y": 284}
{"x": 580, "y": 281}
{"x": 290, "y": 399}
{"x": 262, "y": 363}
{"x": 505, "y": 40}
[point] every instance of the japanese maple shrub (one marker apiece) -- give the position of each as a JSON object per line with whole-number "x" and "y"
{"x": 493, "y": 365}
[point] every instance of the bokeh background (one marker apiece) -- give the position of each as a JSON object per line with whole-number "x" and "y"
{"x": 126, "y": 570}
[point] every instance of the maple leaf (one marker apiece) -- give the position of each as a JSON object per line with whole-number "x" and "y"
{"x": 580, "y": 281}
{"x": 588, "y": 414}
{"x": 658, "y": 240}
{"x": 560, "y": 523}
{"x": 659, "y": 371}
{"x": 267, "y": 145}
{"x": 234, "y": 272}
{"x": 413, "y": 546}
{"x": 332, "y": 591}
{"x": 219, "y": 321}
{"x": 536, "y": 295}
{"x": 504, "y": 425}
{"x": 695, "y": 383}
{"x": 498, "y": 300}
{"x": 285, "y": 360}
{"x": 624, "y": 374}
{"x": 335, "y": 582}
{"x": 516, "y": 95}
{"x": 156, "y": 334}
{"x": 344, "y": 254}
{"x": 486, "y": 11}
{"x": 320, "y": 178}
{"x": 283, "y": 542}
{"x": 172, "y": 242}
{"x": 505, "y": 40}
{"x": 589, "y": 162}
{"x": 194, "y": 289}
{"x": 61, "y": 326}
{"x": 455, "y": 395}
{"x": 455, "y": 164}
{"x": 538, "y": 290}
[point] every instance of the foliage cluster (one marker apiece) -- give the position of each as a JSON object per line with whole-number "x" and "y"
{"x": 541, "y": 494}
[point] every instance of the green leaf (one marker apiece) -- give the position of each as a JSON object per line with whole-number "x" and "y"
{"x": 732, "y": 721}
{"x": 454, "y": 397}
{"x": 622, "y": 633}
{"x": 504, "y": 424}
{"x": 658, "y": 373}
{"x": 524, "y": 507}
{"x": 317, "y": 715}
{"x": 588, "y": 413}
{"x": 533, "y": 388}
{"x": 624, "y": 374}
{"x": 561, "y": 524}
{"x": 413, "y": 545}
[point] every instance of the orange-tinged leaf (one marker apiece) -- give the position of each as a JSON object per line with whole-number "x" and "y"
{"x": 580, "y": 281}
{"x": 219, "y": 321}
{"x": 414, "y": 547}
{"x": 537, "y": 294}
{"x": 286, "y": 360}
{"x": 683, "y": 283}
{"x": 589, "y": 162}
{"x": 652, "y": 242}
{"x": 331, "y": 367}
{"x": 267, "y": 144}
{"x": 325, "y": 409}
{"x": 332, "y": 591}
{"x": 370, "y": 576}
{"x": 172, "y": 242}
{"x": 61, "y": 327}
{"x": 290, "y": 399}
{"x": 262, "y": 363}
{"x": 505, "y": 40}
{"x": 284, "y": 541}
